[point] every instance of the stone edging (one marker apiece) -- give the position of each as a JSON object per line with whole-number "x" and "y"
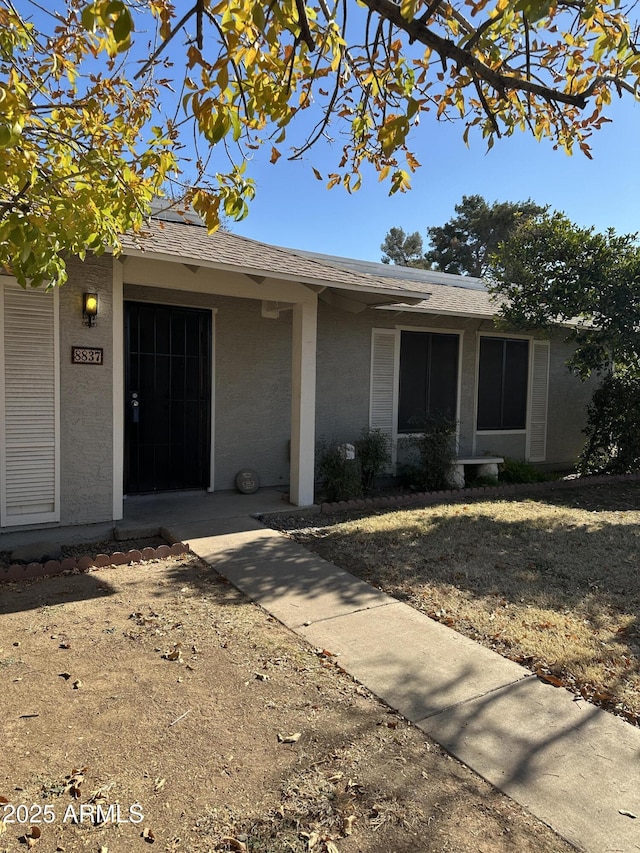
{"x": 425, "y": 498}
{"x": 22, "y": 571}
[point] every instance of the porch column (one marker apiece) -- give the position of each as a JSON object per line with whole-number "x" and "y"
{"x": 303, "y": 402}
{"x": 118, "y": 388}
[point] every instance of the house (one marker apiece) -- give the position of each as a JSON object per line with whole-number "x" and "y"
{"x": 210, "y": 354}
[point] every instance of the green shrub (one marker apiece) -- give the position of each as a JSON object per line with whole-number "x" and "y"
{"x": 436, "y": 452}
{"x": 341, "y": 478}
{"x": 613, "y": 427}
{"x": 519, "y": 471}
{"x": 480, "y": 480}
{"x": 372, "y": 451}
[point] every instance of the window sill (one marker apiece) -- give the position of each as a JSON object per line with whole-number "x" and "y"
{"x": 501, "y": 432}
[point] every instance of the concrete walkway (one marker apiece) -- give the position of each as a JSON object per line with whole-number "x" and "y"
{"x": 574, "y": 766}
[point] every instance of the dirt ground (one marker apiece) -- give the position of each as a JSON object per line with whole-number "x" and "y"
{"x": 154, "y": 704}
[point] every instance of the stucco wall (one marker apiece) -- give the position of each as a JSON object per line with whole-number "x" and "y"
{"x": 86, "y": 398}
{"x": 568, "y": 401}
{"x": 252, "y": 366}
{"x": 342, "y": 374}
{"x": 344, "y": 352}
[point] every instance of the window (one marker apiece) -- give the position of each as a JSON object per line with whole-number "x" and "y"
{"x": 428, "y": 378}
{"x": 502, "y": 384}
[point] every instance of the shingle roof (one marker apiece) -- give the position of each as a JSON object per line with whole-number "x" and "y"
{"x": 447, "y": 294}
{"x": 191, "y": 244}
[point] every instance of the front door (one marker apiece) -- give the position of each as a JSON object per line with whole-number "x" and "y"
{"x": 168, "y": 397}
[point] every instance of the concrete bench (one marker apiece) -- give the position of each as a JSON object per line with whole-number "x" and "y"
{"x": 486, "y": 466}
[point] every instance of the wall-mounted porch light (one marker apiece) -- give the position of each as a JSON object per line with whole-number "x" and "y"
{"x": 89, "y": 308}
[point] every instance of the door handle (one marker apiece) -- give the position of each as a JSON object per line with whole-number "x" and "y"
{"x": 135, "y": 409}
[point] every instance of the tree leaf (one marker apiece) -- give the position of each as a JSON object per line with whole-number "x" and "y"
{"x": 289, "y": 738}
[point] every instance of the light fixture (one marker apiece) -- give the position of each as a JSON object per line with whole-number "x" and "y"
{"x": 89, "y": 308}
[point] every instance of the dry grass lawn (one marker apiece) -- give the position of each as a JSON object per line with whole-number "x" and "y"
{"x": 552, "y": 583}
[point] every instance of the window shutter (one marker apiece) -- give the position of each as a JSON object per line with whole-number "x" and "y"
{"x": 538, "y": 393}
{"x": 29, "y": 457}
{"x": 383, "y": 396}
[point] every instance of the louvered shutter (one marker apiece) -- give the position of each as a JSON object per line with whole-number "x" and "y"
{"x": 538, "y": 395}
{"x": 383, "y": 395}
{"x": 29, "y": 447}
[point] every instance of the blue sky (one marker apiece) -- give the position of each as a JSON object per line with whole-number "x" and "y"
{"x": 293, "y": 208}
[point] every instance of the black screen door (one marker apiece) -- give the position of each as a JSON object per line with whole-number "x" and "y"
{"x": 168, "y": 397}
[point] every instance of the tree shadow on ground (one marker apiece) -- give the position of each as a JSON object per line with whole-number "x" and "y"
{"x": 18, "y": 596}
{"x": 519, "y": 743}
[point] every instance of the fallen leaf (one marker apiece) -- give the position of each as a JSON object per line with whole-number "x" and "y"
{"x": 548, "y": 678}
{"x": 3, "y": 800}
{"x": 347, "y": 824}
{"x": 311, "y": 838}
{"x": 159, "y": 785}
{"x": 65, "y": 675}
{"x": 626, "y": 813}
{"x": 174, "y": 654}
{"x": 78, "y": 771}
{"x": 65, "y": 645}
{"x": 148, "y": 835}
{"x": 32, "y": 838}
{"x": 77, "y": 684}
{"x": 289, "y": 738}
{"x": 3, "y": 827}
{"x": 234, "y": 843}
{"x": 103, "y": 849}
{"x": 602, "y": 696}
{"x": 262, "y": 676}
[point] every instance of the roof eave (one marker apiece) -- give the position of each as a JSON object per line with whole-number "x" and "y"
{"x": 397, "y": 295}
{"x": 445, "y": 312}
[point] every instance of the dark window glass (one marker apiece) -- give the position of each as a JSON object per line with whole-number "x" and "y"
{"x": 428, "y": 378}
{"x": 502, "y": 383}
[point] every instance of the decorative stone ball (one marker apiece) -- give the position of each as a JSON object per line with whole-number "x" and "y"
{"x": 247, "y": 481}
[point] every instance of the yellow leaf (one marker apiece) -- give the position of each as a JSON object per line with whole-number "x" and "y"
{"x": 289, "y": 738}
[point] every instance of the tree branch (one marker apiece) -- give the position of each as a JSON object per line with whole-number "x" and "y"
{"x": 487, "y": 108}
{"x": 195, "y": 9}
{"x": 199, "y": 14}
{"x": 446, "y": 49}
{"x": 305, "y": 32}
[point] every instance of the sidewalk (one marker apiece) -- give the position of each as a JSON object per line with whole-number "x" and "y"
{"x": 572, "y": 765}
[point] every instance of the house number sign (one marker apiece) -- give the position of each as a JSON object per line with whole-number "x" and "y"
{"x": 86, "y": 355}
